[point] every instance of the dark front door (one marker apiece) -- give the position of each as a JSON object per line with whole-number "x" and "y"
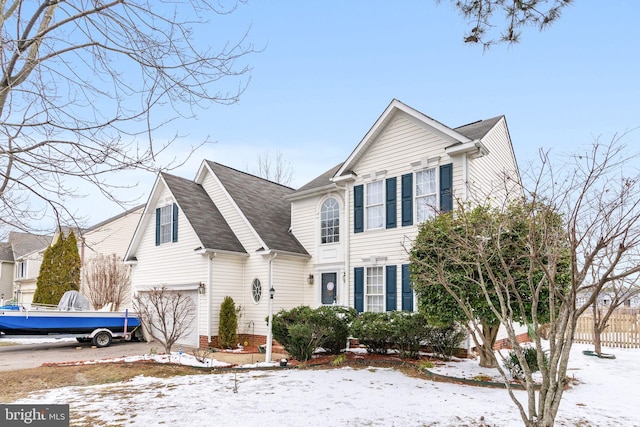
{"x": 329, "y": 288}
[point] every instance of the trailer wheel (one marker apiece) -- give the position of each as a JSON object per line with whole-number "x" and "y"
{"x": 102, "y": 339}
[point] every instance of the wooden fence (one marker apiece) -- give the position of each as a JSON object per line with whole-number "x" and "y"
{"x": 623, "y": 329}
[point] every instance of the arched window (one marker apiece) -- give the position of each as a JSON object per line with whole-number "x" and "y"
{"x": 330, "y": 221}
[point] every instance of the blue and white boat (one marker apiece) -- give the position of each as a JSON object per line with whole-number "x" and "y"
{"x": 71, "y": 318}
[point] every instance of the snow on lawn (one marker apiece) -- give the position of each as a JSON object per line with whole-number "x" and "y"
{"x": 604, "y": 396}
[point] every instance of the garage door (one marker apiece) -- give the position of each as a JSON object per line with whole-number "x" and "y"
{"x": 191, "y": 338}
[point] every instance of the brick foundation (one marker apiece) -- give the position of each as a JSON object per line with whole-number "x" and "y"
{"x": 505, "y": 344}
{"x": 249, "y": 339}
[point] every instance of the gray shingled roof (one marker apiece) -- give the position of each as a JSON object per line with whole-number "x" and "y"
{"x": 24, "y": 243}
{"x": 203, "y": 215}
{"x": 322, "y": 180}
{"x": 264, "y": 205}
{"x": 6, "y": 254}
{"x": 477, "y": 130}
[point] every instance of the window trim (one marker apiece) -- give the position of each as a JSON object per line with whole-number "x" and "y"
{"x": 381, "y": 285}
{"x": 256, "y": 288}
{"x": 335, "y": 209}
{"x": 435, "y": 194}
{"x": 21, "y": 270}
{"x": 380, "y": 205}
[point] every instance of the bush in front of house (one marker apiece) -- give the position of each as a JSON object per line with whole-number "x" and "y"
{"x": 228, "y": 326}
{"x": 374, "y": 331}
{"x": 335, "y": 321}
{"x": 444, "y": 340}
{"x": 408, "y": 332}
{"x": 302, "y": 330}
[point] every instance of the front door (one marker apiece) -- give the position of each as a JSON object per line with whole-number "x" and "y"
{"x": 329, "y": 288}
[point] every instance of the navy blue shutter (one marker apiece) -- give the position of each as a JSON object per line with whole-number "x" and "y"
{"x": 157, "y": 226}
{"x": 358, "y": 289}
{"x": 175, "y": 223}
{"x": 391, "y": 288}
{"x": 446, "y": 188}
{"x": 358, "y": 209}
{"x": 407, "y": 199}
{"x": 407, "y": 292}
{"x": 391, "y": 203}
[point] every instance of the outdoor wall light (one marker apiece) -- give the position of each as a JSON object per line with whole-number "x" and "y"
{"x": 271, "y": 292}
{"x": 310, "y": 279}
{"x": 201, "y": 288}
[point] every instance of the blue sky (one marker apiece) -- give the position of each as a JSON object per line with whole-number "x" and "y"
{"x": 328, "y": 69}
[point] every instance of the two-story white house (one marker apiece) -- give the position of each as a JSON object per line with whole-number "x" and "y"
{"x": 340, "y": 239}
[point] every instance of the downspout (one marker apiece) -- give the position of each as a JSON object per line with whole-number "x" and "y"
{"x": 270, "y": 329}
{"x": 465, "y": 177}
{"x": 347, "y": 257}
{"x": 209, "y": 293}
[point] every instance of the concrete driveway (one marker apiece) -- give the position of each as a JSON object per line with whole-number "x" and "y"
{"x": 33, "y": 355}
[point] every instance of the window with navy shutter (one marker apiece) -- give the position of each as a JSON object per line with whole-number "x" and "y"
{"x": 391, "y": 293}
{"x": 391, "y": 203}
{"x": 166, "y": 224}
{"x": 358, "y": 209}
{"x": 358, "y": 289}
{"x": 446, "y": 187}
{"x": 407, "y": 199}
{"x": 157, "y": 226}
{"x": 174, "y": 225}
{"x": 407, "y": 291}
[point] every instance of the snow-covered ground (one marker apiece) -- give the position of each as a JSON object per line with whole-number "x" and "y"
{"x": 605, "y": 395}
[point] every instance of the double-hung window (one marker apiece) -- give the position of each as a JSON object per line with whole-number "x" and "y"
{"x": 426, "y": 194}
{"x": 374, "y": 289}
{"x": 330, "y": 221}
{"x": 166, "y": 224}
{"x": 375, "y": 205}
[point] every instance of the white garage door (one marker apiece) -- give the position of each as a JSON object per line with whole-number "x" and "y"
{"x": 192, "y": 338}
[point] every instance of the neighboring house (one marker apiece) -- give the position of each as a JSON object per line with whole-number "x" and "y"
{"x": 109, "y": 237}
{"x": 340, "y": 239}
{"x": 21, "y": 255}
{"x": 20, "y": 258}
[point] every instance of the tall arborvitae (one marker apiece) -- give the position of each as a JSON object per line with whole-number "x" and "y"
{"x": 59, "y": 271}
{"x": 227, "y": 329}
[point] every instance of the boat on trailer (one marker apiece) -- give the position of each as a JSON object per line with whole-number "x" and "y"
{"x": 72, "y": 317}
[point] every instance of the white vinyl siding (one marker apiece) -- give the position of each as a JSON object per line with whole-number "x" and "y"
{"x": 374, "y": 205}
{"x": 374, "y": 289}
{"x": 426, "y": 194}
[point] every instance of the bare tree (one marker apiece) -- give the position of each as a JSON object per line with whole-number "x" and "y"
{"x": 508, "y": 16}
{"x": 86, "y": 87}
{"x": 611, "y": 298}
{"x": 167, "y": 315}
{"x": 594, "y": 246}
{"x": 107, "y": 281}
{"x": 274, "y": 168}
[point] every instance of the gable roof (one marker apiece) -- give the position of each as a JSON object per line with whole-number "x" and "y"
{"x": 321, "y": 181}
{"x": 203, "y": 215}
{"x": 6, "y": 254}
{"x": 460, "y": 135}
{"x": 395, "y": 107}
{"x": 263, "y": 204}
{"x": 479, "y": 129}
{"x": 25, "y": 243}
{"x": 112, "y": 219}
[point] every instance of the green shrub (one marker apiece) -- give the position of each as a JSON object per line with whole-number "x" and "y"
{"x": 302, "y": 330}
{"x": 408, "y": 332}
{"x": 335, "y": 322}
{"x": 444, "y": 340}
{"x": 374, "y": 331}
{"x": 531, "y": 358}
{"x": 228, "y": 326}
